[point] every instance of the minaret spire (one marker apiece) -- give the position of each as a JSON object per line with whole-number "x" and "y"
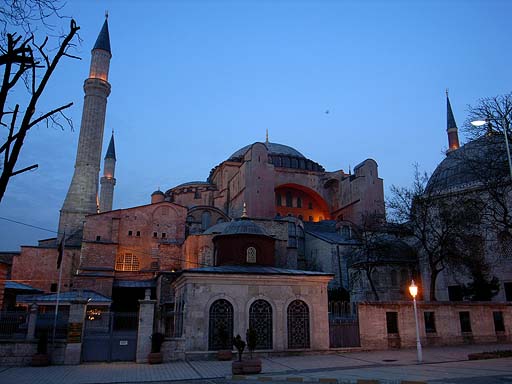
{"x": 108, "y": 181}
{"x": 81, "y": 199}
{"x": 451, "y": 127}
{"x": 266, "y": 137}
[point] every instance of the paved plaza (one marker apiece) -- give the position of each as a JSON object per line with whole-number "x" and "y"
{"x": 443, "y": 364}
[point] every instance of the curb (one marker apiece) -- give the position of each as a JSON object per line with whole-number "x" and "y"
{"x": 300, "y": 379}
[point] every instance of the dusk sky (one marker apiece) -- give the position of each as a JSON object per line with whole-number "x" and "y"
{"x": 193, "y": 81}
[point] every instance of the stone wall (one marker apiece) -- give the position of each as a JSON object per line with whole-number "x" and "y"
{"x": 16, "y": 353}
{"x": 374, "y": 332}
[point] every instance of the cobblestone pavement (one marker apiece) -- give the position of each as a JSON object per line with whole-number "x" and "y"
{"x": 388, "y": 366}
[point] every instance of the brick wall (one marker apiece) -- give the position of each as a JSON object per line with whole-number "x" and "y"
{"x": 374, "y": 333}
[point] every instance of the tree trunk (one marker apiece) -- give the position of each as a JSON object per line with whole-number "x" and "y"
{"x": 372, "y": 286}
{"x": 433, "y": 277}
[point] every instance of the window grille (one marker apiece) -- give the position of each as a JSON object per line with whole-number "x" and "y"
{"x": 127, "y": 262}
{"x": 298, "y": 325}
{"x": 251, "y": 255}
{"x": 260, "y": 319}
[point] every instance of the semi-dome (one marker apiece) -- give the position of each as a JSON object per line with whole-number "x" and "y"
{"x": 273, "y": 149}
{"x": 479, "y": 160}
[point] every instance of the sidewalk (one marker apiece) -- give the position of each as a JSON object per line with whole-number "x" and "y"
{"x": 308, "y": 367}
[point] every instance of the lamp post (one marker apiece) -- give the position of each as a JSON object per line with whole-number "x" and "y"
{"x": 504, "y": 123}
{"x": 413, "y": 290}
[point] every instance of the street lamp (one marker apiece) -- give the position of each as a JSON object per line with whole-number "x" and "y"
{"x": 413, "y": 290}
{"x": 504, "y": 122}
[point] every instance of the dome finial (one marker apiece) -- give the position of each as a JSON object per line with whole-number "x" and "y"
{"x": 106, "y": 14}
{"x": 244, "y": 211}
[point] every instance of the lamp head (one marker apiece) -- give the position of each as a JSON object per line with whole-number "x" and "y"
{"x": 478, "y": 123}
{"x": 413, "y": 289}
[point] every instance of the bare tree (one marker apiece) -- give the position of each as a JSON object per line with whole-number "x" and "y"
{"x": 436, "y": 222}
{"x": 26, "y": 63}
{"x": 497, "y": 110}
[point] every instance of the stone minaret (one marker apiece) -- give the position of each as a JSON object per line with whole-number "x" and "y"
{"x": 451, "y": 127}
{"x": 108, "y": 180}
{"x": 81, "y": 199}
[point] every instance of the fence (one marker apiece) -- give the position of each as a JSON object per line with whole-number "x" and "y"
{"x": 13, "y": 325}
{"x": 45, "y": 323}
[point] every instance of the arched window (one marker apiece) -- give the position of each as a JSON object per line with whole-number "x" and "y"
{"x": 299, "y": 202}
{"x": 288, "y": 199}
{"x": 205, "y": 220}
{"x": 260, "y": 319}
{"x": 298, "y": 325}
{"x": 251, "y": 255}
{"x": 127, "y": 262}
{"x": 279, "y": 202}
{"x": 394, "y": 278}
{"x": 404, "y": 277}
{"x": 220, "y": 330}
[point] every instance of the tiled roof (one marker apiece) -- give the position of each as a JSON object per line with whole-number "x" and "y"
{"x": 20, "y": 287}
{"x": 86, "y": 294}
{"x": 255, "y": 270}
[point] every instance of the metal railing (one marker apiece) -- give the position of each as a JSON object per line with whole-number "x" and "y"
{"x": 13, "y": 324}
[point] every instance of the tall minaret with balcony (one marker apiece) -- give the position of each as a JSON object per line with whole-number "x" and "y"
{"x": 82, "y": 196}
{"x": 108, "y": 180}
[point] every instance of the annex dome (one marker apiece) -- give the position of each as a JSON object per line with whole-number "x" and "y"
{"x": 481, "y": 159}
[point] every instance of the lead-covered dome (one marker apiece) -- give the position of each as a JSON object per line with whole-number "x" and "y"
{"x": 273, "y": 149}
{"x": 481, "y": 160}
{"x": 243, "y": 227}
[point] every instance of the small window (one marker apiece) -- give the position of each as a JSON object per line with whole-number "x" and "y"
{"x": 430, "y": 322}
{"x": 138, "y": 233}
{"x": 155, "y": 234}
{"x": 53, "y": 287}
{"x": 251, "y": 255}
{"x": 164, "y": 235}
{"x": 392, "y": 322}
{"x": 310, "y": 218}
{"x": 465, "y": 322}
{"x": 130, "y": 233}
{"x": 279, "y": 201}
{"x": 299, "y": 202}
{"x": 98, "y": 238}
{"x": 499, "y": 324}
{"x": 197, "y": 194}
{"x": 310, "y": 205}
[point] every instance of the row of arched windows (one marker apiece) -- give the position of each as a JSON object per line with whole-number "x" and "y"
{"x": 260, "y": 319}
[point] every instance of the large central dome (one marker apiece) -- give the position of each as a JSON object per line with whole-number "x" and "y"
{"x": 273, "y": 149}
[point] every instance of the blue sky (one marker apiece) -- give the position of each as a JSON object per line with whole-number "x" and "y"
{"x": 193, "y": 81}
